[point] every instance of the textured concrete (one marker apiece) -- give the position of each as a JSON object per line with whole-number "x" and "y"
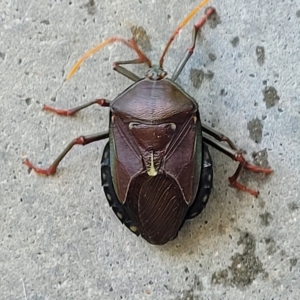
{"x": 60, "y": 239}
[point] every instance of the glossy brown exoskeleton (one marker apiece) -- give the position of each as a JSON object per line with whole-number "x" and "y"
{"x": 154, "y": 159}
{"x": 156, "y": 168}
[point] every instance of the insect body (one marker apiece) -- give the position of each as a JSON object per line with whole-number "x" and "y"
{"x": 156, "y": 168}
{"x": 155, "y": 141}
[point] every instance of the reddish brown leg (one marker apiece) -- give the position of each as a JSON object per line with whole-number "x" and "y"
{"x": 123, "y": 71}
{"x": 81, "y": 140}
{"x": 73, "y": 111}
{"x": 214, "y": 139}
{"x": 234, "y": 183}
{"x": 218, "y": 136}
{"x": 142, "y": 59}
{"x": 239, "y": 157}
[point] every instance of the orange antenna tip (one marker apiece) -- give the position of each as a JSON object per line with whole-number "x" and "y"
{"x": 89, "y": 54}
{"x": 130, "y": 44}
{"x": 181, "y": 25}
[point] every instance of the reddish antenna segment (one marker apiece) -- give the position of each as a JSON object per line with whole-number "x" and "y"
{"x": 142, "y": 58}
{"x": 181, "y": 25}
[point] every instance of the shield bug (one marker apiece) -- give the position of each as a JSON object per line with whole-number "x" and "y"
{"x": 156, "y": 167}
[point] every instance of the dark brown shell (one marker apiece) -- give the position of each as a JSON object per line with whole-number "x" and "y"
{"x": 122, "y": 213}
{"x": 156, "y": 156}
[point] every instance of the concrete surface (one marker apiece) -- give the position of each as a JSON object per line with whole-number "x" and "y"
{"x": 60, "y": 239}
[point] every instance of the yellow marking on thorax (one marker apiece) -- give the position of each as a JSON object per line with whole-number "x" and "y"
{"x": 152, "y": 171}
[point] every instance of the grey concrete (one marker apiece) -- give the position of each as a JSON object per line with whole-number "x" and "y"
{"x": 60, "y": 239}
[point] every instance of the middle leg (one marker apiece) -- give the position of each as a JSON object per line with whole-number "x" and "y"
{"x": 215, "y": 139}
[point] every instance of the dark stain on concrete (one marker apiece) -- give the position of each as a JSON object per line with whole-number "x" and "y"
{"x": 270, "y": 96}
{"x": 45, "y": 22}
{"x": 293, "y": 262}
{"x": 255, "y": 128}
{"x": 214, "y": 20}
{"x": 194, "y": 292}
{"x": 197, "y": 76}
{"x": 260, "y": 54}
{"x": 245, "y": 267}
{"x": 270, "y": 245}
{"x": 2, "y": 55}
{"x": 266, "y": 218}
{"x": 28, "y": 101}
{"x": 293, "y": 206}
{"x": 212, "y": 56}
{"x": 223, "y": 92}
{"x": 235, "y": 41}
{"x": 260, "y": 158}
{"x": 91, "y": 7}
{"x": 141, "y": 37}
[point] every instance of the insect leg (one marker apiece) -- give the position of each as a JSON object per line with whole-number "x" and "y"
{"x": 215, "y": 140}
{"x": 142, "y": 59}
{"x": 123, "y": 71}
{"x": 73, "y": 111}
{"x": 81, "y": 140}
{"x": 218, "y": 136}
